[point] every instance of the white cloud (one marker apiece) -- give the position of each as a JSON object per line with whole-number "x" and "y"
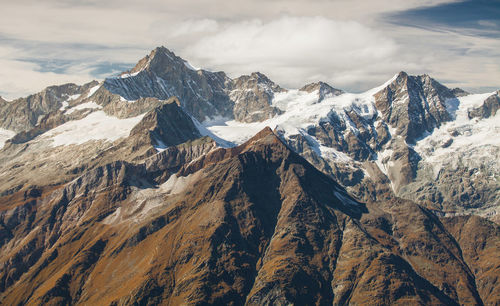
{"x": 193, "y": 26}
{"x": 343, "y": 42}
{"x": 293, "y": 50}
{"x": 21, "y": 79}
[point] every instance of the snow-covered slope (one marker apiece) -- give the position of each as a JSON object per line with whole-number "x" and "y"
{"x": 5, "y": 135}
{"x": 469, "y": 141}
{"x": 95, "y": 126}
{"x": 301, "y": 110}
{"x": 349, "y": 135}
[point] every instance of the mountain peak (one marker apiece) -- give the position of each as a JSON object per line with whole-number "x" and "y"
{"x": 265, "y": 132}
{"x": 402, "y": 75}
{"x": 324, "y": 89}
{"x": 162, "y": 52}
{"x": 259, "y": 75}
{"x": 158, "y": 59}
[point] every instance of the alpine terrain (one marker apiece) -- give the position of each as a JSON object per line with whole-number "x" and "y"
{"x": 174, "y": 185}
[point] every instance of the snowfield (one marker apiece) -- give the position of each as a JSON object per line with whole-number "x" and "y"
{"x": 95, "y": 126}
{"x": 87, "y": 105}
{"x": 301, "y": 111}
{"x": 5, "y": 135}
{"x": 471, "y": 142}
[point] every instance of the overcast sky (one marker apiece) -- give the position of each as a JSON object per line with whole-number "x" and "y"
{"x": 351, "y": 44}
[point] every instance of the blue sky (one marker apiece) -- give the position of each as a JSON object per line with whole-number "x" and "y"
{"x": 353, "y": 45}
{"x": 472, "y": 17}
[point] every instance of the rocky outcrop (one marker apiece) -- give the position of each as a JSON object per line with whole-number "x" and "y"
{"x": 253, "y": 95}
{"x": 488, "y": 109}
{"x": 413, "y": 105}
{"x": 24, "y": 114}
{"x": 167, "y": 125}
{"x": 324, "y": 90}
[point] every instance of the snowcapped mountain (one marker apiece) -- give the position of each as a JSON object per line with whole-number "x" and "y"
{"x": 195, "y": 176}
{"x": 412, "y": 136}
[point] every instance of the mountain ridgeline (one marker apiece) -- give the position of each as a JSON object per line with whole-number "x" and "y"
{"x": 174, "y": 185}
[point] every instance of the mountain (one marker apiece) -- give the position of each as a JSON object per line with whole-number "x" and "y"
{"x": 203, "y": 94}
{"x": 25, "y": 113}
{"x": 252, "y": 224}
{"x": 170, "y": 184}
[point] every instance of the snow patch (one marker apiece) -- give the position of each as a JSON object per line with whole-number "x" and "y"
{"x": 145, "y": 202}
{"x": 87, "y": 105}
{"x": 160, "y": 145}
{"x": 125, "y": 100}
{"x": 204, "y": 131}
{"x": 345, "y": 199}
{"x": 325, "y": 152}
{"x": 383, "y": 162}
{"x": 5, "y": 135}
{"x": 128, "y": 75}
{"x": 189, "y": 66}
{"x": 375, "y": 90}
{"x": 73, "y": 97}
{"x": 64, "y": 106}
{"x": 65, "y": 103}
{"x": 176, "y": 184}
{"x": 95, "y": 126}
{"x": 333, "y": 154}
{"x": 93, "y": 90}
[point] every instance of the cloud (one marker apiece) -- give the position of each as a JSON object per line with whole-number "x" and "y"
{"x": 30, "y": 66}
{"x": 468, "y": 17}
{"x": 348, "y": 43}
{"x": 24, "y": 77}
{"x": 460, "y": 41}
{"x": 293, "y": 50}
{"x": 193, "y": 26}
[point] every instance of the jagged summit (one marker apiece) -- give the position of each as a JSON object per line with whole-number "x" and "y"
{"x": 158, "y": 60}
{"x": 324, "y": 89}
{"x": 414, "y": 104}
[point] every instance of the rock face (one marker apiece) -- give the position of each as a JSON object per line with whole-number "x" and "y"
{"x": 488, "y": 109}
{"x": 163, "y": 75}
{"x": 167, "y": 125}
{"x": 203, "y": 94}
{"x": 252, "y": 95}
{"x": 254, "y": 224}
{"x": 25, "y": 113}
{"x": 324, "y": 90}
{"x": 414, "y": 105}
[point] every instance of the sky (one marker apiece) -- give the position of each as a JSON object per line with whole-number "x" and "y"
{"x": 353, "y": 45}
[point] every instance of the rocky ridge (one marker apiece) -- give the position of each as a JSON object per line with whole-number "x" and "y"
{"x": 25, "y": 113}
{"x": 245, "y": 225}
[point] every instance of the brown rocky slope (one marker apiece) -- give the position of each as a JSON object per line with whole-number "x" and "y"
{"x": 254, "y": 224}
